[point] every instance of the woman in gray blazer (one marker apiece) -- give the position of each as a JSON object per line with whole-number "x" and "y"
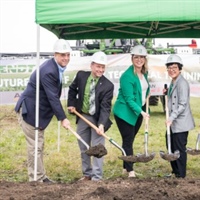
{"x": 180, "y": 117}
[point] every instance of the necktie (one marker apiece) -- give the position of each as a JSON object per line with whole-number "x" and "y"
{"x": 61, "y": 71}
{"x": 92, "y": 98}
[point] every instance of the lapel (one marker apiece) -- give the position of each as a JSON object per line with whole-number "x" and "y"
{"x": 84, "y": 80}
{"x": 138, "y": 84}
{"x": 146, "y": 77}
{"x": 136, "y": 78}
{"x": 175, "y": 84}
{"x": 99, "y": 83}
{"x": 60, "y": 90}
{"x": 56, "y": 73}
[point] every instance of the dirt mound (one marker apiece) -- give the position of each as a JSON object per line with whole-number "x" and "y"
{"x": 117, "y": 189}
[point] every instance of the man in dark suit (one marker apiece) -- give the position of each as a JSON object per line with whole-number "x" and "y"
{"x": 49, "y": 104}
{"x": 79, "y": 97}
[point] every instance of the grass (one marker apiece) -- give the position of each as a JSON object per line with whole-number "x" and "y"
{"x": 65, "y": 165}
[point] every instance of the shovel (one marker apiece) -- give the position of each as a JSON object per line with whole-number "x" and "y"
{"x": 124, "y": 157}
{"x": 195, "y": 151}
{"x": 96, "y": 151}
{"x": 146, "y": 157}
{"x": 169, "y": 156}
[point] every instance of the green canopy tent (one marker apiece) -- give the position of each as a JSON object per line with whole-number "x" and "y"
{"x": 95, "y": 19}
{"x": 104, "y": 19}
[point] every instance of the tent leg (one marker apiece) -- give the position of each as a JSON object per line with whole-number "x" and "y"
{"x": 37, "y": 101}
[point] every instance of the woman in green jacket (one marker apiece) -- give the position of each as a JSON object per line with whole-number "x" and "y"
{"x": 129, "y": 108}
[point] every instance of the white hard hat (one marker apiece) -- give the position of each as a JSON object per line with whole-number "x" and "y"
{"x": 174, "y": 59}
{"x": 139, "y": 50}
{"x": 99, "y": 57}
{"x": 62, "y": 46}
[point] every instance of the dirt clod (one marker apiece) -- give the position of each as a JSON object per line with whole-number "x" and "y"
{"x": 171, "y": 156}
{"x": 97, "y": 151}
{"x": 193, "y": 151}
{"x": 128, "y": 158}
{"x": 138, "y": 158}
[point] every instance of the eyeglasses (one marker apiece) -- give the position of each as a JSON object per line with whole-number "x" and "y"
{"x": 172, "y": 68}
{"x": 138, "y": 57}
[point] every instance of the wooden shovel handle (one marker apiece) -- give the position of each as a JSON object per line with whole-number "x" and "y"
{"x": 90, "y": 123}
{"x": 79, "y": 137}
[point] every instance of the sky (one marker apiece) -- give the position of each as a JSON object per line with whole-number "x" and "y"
{"x": 18, "y": 30}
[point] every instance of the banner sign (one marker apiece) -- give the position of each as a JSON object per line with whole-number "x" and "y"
{"x": 15, "y": 73}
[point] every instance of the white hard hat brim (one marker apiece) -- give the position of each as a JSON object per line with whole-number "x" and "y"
{"x": 68, "y": 51}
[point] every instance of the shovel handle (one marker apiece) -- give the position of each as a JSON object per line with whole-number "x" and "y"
{"x": 90, "y": 124}
{"x": 79, "y": 137}
{"x": 198, "y": 140}
{"x": 147, "y": 111}
{"x": 146, "y": 127}
{"x": 96, "y": 129}
{"x": 168, "y": 127}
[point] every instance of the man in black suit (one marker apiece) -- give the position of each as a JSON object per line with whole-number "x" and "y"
{"x": 79, "y": 97}
{"x": 49, "y": 104}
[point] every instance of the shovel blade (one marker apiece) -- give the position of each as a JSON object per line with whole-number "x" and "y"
{"x": 128, "y": 158}
{"x": 193, "y": 151}
{"x": 170, "y": 157}
{"x": 145, "y": 158}
{"x": 97, "y": 151}
{"x": 138, "y": 158}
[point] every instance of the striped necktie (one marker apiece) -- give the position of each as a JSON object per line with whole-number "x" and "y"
{"x": 92, "y": 97}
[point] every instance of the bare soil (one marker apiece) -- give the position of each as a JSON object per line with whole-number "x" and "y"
{"x": 116, "y": 189}
{"x": 121, "y": 188}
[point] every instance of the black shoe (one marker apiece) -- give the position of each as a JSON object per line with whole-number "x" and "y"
{"x": 178, "y": 176}
{"x": 47, "y": 180}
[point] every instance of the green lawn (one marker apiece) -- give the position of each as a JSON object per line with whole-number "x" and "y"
{"x": 65, "y": 165}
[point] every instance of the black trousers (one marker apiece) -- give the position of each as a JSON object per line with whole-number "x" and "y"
{"x": 128, "y": 133}
{"x": 179, "y": 142}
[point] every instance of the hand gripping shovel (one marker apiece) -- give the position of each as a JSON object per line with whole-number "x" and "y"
{"x": 146, "y": 157}
{"x": 195, "y": 151}
{"x": 96, "y": 151}
{"x": 169, "y": 156}
{"x": 131, "y": 159}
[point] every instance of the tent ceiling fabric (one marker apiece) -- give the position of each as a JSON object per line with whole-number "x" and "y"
{"x": 92, "y": 19}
